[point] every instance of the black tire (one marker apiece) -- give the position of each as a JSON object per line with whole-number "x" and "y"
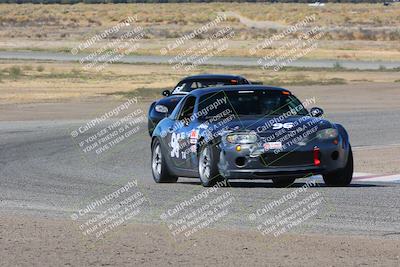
{"x": 283, "y": 182}
{"x": 150, "y": 126}
{"x": 341, "y": 177}
{"x": 159, "y": 167}
{"x": 208, "y": 159}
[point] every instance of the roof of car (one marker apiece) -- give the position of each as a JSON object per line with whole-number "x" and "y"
{"x": 203, "y": 91}
{"x": 212, "y": 76}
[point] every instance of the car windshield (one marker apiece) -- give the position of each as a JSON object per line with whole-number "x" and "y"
{"x": 187, "y": 86}
{"x": 258, "y": 103}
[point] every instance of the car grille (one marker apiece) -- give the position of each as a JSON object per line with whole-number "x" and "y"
{"x": 287, "y": 159}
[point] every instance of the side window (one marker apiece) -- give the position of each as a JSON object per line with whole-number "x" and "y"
{"x": 194, "y": 86}
{"x": 175, "y": 112}
{"x": 218, "y": 101}
{"x": 179, "y": 87}
{"x": 187, "y": 109}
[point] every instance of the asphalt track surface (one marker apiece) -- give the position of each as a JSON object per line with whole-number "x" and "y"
{"x": 223, "y": 61}
{"x": 43, "y": 173}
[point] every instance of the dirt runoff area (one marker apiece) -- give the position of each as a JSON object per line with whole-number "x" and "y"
{"x": 27, "y": 241}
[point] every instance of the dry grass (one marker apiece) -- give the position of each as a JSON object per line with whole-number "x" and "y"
{"x": 80, "y": 15}
{"x": 353, "y": 31}
{"x": 52, "y": 82}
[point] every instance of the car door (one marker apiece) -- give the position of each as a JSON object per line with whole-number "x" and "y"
{"x": 179, "y": 144}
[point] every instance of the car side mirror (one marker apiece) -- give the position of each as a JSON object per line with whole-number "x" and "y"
{"x": 166, "y": 93}
{"x": 316, "y": 112}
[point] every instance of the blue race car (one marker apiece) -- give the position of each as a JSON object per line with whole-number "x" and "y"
{"x": 161, "y": 108}
{"x": 249, "y": 132}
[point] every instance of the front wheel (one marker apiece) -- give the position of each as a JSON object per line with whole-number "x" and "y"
{"x": 341, "y": 177}
{"x": 159, "y": 167}
{"x": 208, "y": 166}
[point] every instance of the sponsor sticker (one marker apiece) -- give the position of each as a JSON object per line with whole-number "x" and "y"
{"x": 194, "y": 135}
{"x": 272, "y": 145}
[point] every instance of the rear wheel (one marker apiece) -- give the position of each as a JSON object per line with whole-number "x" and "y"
{"x": 283, "y": 182}
{"x": 158, "y": 166}
{"x": 341, "y": 177}
{"x": 208, "y": 166}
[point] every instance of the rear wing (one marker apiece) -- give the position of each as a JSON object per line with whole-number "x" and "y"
{"x": 256, "y": 82}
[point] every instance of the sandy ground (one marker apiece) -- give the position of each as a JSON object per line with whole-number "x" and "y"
{"x": 383, "y": 160}
{"x": 28, "y": 241}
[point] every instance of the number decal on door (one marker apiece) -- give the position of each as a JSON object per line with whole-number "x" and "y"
{"x": 175, "y": 145}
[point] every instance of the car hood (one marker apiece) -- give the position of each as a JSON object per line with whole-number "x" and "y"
{"x": 273, "y": 123}
{"x": 272, "y": 127}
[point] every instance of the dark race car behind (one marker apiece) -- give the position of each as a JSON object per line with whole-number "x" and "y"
{"x": 163, "y": 107}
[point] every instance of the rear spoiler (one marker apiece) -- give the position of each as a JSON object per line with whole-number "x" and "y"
{"x": 256, "y": 82}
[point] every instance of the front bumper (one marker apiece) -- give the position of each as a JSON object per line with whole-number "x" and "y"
{"x": 154, "y": 118}
{"x": 294, "y": 162}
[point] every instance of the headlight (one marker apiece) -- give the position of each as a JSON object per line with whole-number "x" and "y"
{"x": 161, "y": 108}
{"x": 329, "y": 133}
{"x": 241, "y": 138}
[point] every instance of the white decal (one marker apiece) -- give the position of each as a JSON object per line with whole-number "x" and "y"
{"x": 193, "y": 148}
{"x": 203, "y": 126}
{"x": 175, "y": 145}
{"x": 272, "y": 145}
{"x": 286, "y": 125}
